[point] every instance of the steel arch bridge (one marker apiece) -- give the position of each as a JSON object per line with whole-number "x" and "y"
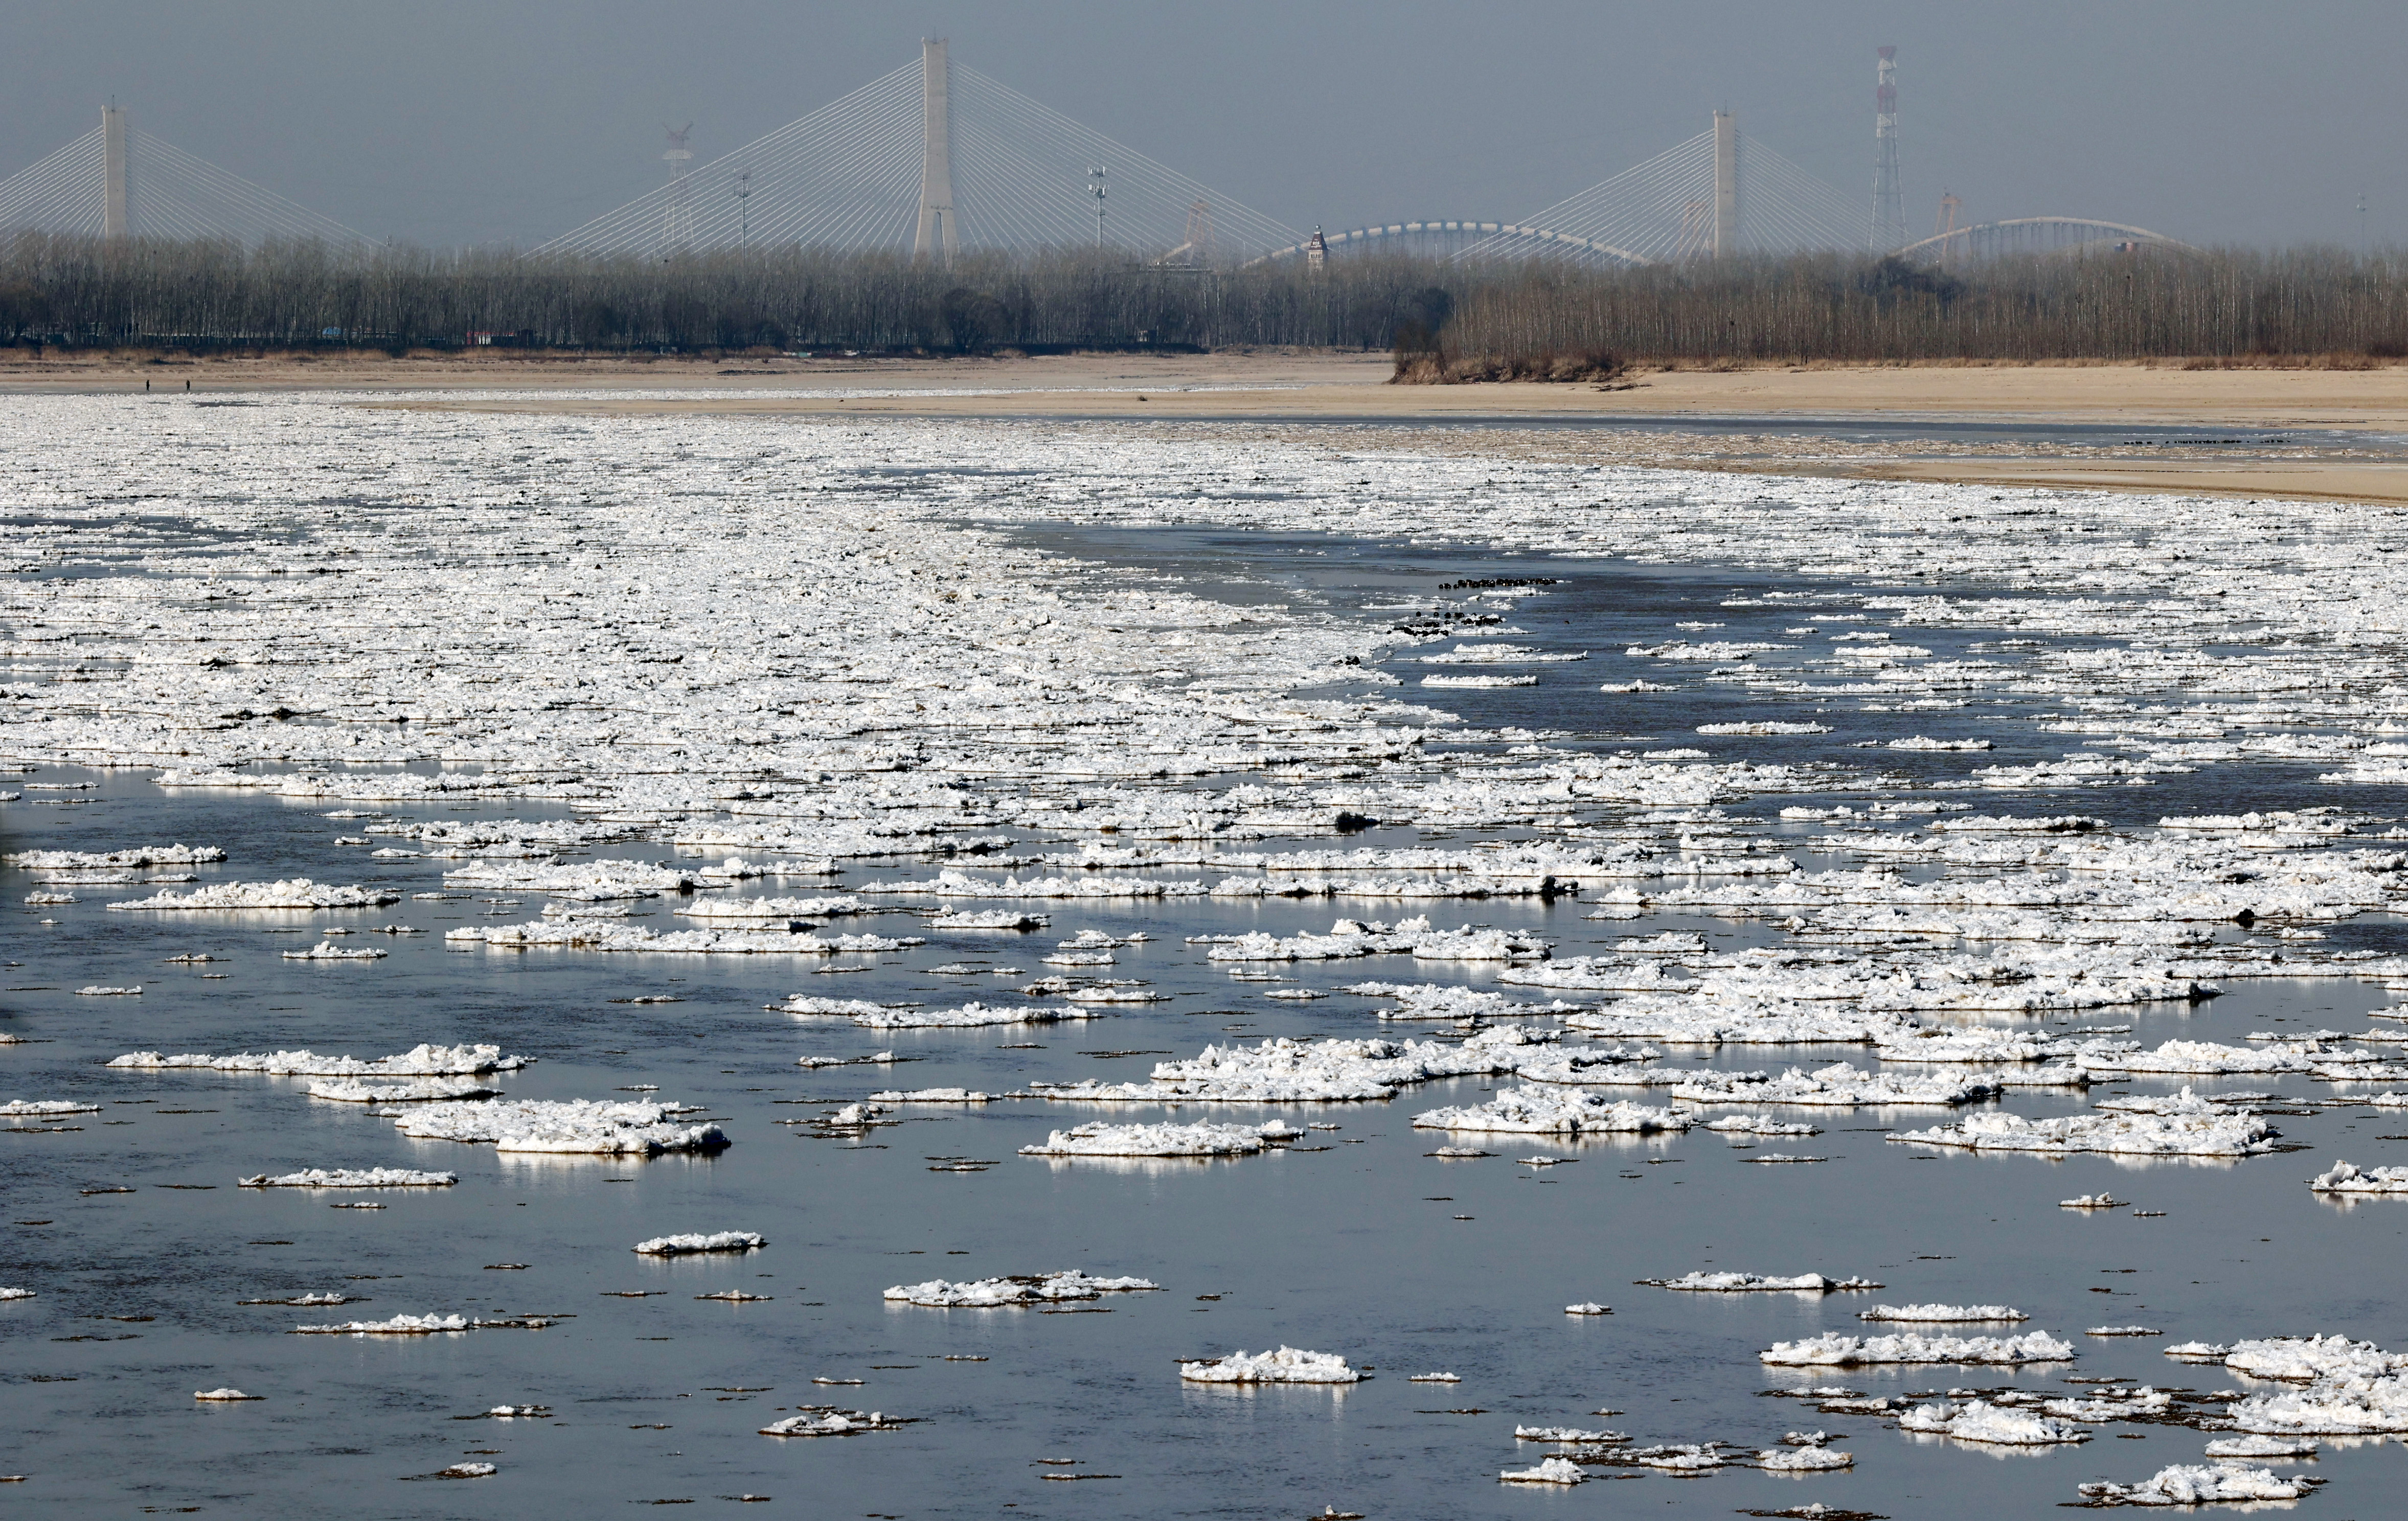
{"x": 1472, "y": 234}
{"x": 2035, "y": 235}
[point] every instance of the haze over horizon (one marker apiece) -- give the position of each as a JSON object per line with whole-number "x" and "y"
{"x": 449, "y": 123}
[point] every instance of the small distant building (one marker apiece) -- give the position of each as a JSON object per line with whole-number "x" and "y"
{"x": 523, "y": 338}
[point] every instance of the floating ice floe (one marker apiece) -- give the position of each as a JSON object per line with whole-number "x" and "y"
{"x": 97, "y": 991}
{"x": 225, "y": 1396}
{"x": 1286, "y": 1365}
{"x": 1435, "y": 1378}
{"x": 49, "y": 900}
{"x": 326, "y": 951}
{"x": 932, "y": 1095}
{"x": 687, "y": 1246}
{"x": 2262, "y": 1448}
{"x": 1349, "y": 938}
{"x": 1529, "y": 1111}
{"x": 2349, "y": 1178}
{"x": 2207, "y": 1059}
{"x": 420, "y": 1091}
{"x": 1757, "y": 1125}
{"x": 594, "y": 1126}
{"x": 1567, "y": 1435}
{"x": 1446, "y": 1001}
{"x": 295, "y": 893}
{"x": 1747, "y": 1283}
{"x": 45, "y": 1108}
{"x": 1681, "y": 1458}
{"x": 1838, "y": 1086}
{"x": 1942, "y": 1313}
{"x": 2092, "y": 1201}
{"x": 375, "y": 1177}
{"x": 787, "y": 909}
{"x": 1803, "y": 1460}
{"x": 2222, "y": 1484}
{"x": 1001, "y": 918}
{"x": 16, "y": 1294}
{"x": 2302, "y": 1359}
{"x": 1546, "y": 1471}
{"x": 134, "y": 858}
{"x": 953, "y": 884}
{"x": 1500, "y": 654}
{"x": 608, "y": 936}
{"x": 1479, "y": 681}
{"x": 1588, "y": 1307}
{"x": 832, "y": 1423}
{"x": 422, "y": 1060}
{"x": 2122, "y": 1330}
{"x": 1836, "y": 1350}
{"x": 1019, "y": 1290}
{"x": 1285, "y": 1071}
{"x": 969, "y": 1017}
{"x": 1978, "y": 1420}
{"x": 1762, "y": 726}
{"x": 420, "y": 1325}
{"x": 1098, "y": 1139}
{"x": 2196, "y": 1130}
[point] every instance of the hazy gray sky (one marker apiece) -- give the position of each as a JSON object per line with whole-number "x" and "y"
{"x": 465, "y": 121}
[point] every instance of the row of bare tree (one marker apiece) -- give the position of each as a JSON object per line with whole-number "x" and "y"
{"x": 84, "y": 291}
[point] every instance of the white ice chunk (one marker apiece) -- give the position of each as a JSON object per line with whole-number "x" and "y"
{"x": 1019, "y": 1290}
{"x": 687, "y": 1245}
{"x": 1098, "y": 1139}
{"x": 295, "y": 892}
{"x": 375, "y": 1177}
{"x": 1546, "y": 1471}
{"x": 1836, "y": 1350}
{"x": 1978, "y": 1420}
{"x": 1529, "y": 1111}
{"x": 1286, "y": 1365}
{"x": 2197, "y": 1128}
{"x": 1749, "y": 1283}
{"x": 2349, "y": 1178}
{"x": 2191, "y": 1485}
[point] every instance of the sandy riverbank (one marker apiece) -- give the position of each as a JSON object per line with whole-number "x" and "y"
{"x": 1661, "y": 418}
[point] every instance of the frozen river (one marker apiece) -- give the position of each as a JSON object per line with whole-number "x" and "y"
{"x": 1619, "y": 803}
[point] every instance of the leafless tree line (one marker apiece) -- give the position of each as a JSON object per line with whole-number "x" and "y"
{"x": 1493, "y": 319}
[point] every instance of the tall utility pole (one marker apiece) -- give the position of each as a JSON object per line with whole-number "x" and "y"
{"x": 112, "y": 149}
{"x": 1889, "y": 195}
{"x": 743, "y": 189}
{"x": 937, "y": 233}
{"x": 1096, "y": 188}
{"x": 1726, "y": 184}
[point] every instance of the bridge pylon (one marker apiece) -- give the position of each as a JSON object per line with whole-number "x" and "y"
{"x": 938, "y": 232}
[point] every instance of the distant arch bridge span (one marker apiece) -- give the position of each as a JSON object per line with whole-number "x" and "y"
{"x": 1483, "y": 236}
{"x": 2035, "y": 235}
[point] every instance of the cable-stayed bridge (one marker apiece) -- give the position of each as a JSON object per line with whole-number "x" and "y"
{"x": 119, "y": 181}
{"x": 932, "y": 159}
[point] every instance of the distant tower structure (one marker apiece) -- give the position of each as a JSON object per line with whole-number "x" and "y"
{"x": 1317, "y": 250}
{"x": 1096, "y": 188}
{"x": 1889, "y": 195}
{"x": 1943, "y": 226}
{"x": 937, "y": 233}
{"x": 677, "y": 231}
{"x": 1726, "y": 184}
{"x": 113, "y": 222}
{"x": 1200, "y": 239}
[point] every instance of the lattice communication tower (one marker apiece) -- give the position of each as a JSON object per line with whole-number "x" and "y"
{"x": 1889, "y": 193}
